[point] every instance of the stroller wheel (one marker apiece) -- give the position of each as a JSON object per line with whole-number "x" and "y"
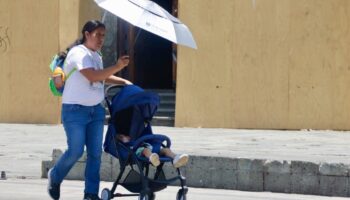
{"x": 144, "y": 197}
{"x": 181, "y": 195}
{"x": 106, "y": 194}
{"x": 152, "y": 196}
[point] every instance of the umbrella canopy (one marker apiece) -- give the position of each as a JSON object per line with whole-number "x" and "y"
{"x": 149, "y": 16}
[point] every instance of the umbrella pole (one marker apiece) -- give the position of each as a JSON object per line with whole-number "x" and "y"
{"x": 137, "y": 37}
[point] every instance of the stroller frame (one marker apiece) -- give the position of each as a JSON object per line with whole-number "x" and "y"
{"x": 140, "y": 168}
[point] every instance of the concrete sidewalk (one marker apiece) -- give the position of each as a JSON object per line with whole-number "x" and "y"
{"x": 29, "y": 189}
{"x": 305, "y": 162}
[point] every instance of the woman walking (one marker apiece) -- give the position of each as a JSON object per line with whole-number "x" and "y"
{"x": 82, "y": 113}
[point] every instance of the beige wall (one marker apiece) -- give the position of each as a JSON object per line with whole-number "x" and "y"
{"x": 280, "y": 64}
{"x": 31, "y": 32}
{"x": 270, "y": 64}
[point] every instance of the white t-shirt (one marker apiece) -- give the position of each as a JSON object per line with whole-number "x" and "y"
{"x": 78, "y": 89}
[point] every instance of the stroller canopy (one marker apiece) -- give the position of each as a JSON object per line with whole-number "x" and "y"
{"x": 131, "y": 108}
{"x": 132, "y": 95}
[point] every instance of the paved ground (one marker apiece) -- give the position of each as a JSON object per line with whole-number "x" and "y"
{"x": 29, "y": 189}
{"x": 24, "y": 146}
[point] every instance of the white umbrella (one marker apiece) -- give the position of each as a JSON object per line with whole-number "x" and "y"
{"x": 151, "y": 17}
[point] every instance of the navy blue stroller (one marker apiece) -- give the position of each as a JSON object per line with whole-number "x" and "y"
{"x": 131, "y": 111}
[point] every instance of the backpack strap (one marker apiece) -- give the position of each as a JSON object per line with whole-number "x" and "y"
{"x": 71, "y": 72}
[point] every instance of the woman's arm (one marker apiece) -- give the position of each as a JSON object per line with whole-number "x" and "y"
{"x": 117, "y": 80}
{"x": 100, "y": 75}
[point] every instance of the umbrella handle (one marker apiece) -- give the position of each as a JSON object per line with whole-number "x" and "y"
{"x": 126, "y": 44}
{"x": 126, "y": 47}
{"x": 137, "y": 36}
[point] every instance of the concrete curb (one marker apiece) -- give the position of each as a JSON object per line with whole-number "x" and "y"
{"x": 329, "y": 179}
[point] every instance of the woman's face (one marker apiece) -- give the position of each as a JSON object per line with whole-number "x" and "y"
{"x": 95, "y": 39}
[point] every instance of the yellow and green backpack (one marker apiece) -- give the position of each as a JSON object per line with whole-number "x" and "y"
{"x": 56, "y": 67}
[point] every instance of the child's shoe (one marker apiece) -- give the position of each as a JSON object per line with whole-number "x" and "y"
{"x": 154, "y": 159}
{"x": 180, "y": 160}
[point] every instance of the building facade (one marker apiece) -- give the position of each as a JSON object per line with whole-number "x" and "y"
{"x": 260, "y": 64}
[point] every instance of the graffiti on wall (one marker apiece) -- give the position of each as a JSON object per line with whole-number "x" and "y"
{"x": 4, "y": 39}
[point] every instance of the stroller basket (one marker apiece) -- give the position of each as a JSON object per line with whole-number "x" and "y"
{"x": 133, "y": 182}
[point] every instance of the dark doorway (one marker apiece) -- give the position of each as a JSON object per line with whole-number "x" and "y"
{"x": 152, "y": 65}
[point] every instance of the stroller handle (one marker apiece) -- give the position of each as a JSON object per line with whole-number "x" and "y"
{"x": 109, "y": 87}
{"x": 160, "y": 138}
{"x": 107, "y": 98}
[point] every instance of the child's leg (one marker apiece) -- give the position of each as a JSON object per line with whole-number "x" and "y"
{"x": 146, "y": 152}
{"x": 179, "y": 160}
{"x": 167, "y": 152}
{"x": 152, "y": 157}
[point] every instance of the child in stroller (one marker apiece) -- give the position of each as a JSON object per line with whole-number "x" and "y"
{"x": 124, "y": 118}
{"x": 130, "y": 139}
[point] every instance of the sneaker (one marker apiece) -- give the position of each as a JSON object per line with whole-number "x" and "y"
{"x": 180, "y": 160}
{"x": 53, "y": 188}
{"x": 154, "y": 159}
{"x": 88, "y": 196}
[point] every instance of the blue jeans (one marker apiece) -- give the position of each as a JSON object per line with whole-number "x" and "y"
{"x": 83, "y": 126}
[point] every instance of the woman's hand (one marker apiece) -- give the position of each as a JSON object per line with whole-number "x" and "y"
{"x": 126, "y": 82}
{"x": 123, "y": 61}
